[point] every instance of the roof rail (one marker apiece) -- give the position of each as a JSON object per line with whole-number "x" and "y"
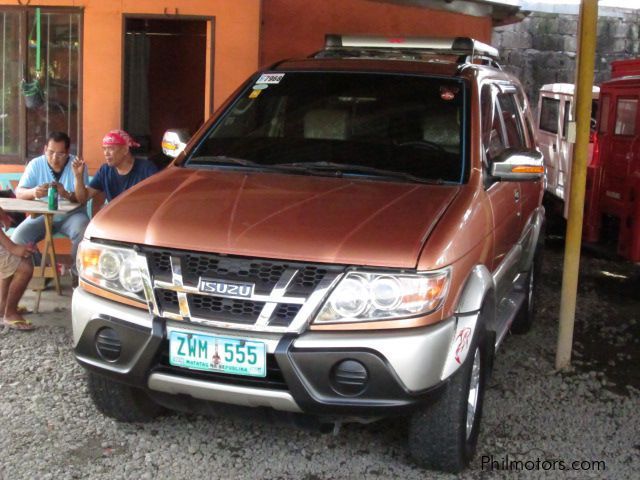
{"x": 467, "y": 49}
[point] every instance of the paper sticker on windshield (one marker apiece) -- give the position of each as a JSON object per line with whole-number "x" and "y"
{"x": 255, "y": 93}
{"x": 273, "y": 78}
{"x": 260, "y": 86}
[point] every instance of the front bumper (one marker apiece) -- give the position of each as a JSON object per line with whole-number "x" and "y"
{"x": 402, "y": 366}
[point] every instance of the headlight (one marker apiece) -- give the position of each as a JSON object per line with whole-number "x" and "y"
{"x": 112, "y": 268}
{"x": 365, "y": 296}
{"x": 352, "y": 298}
{"x": 109, "y": 264}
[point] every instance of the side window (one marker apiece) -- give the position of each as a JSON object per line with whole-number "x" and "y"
{"x": 549, "y": 111}
{"x": 524, "y": 108}
{"x": 493, "y": 136}
{"x": 603, "y": 127}
{"x": 512, "y": 121}
{"x": 567, "y": 115}
{"x": 626, "y": 114}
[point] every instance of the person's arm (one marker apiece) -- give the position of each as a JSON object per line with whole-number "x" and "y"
{"x": 65, "y": 194}
{"x": 38, "y": 191}
{"x": 29, "y": 187}
{"x": 82, "y": 193}
{"x": 22, "y": 251}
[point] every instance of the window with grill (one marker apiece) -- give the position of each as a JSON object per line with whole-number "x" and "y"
{"x": 39, "y": 79}
{"x": 626, "y": 115}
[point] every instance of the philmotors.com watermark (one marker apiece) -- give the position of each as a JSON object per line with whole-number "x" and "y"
{"x": 490, "y": 462}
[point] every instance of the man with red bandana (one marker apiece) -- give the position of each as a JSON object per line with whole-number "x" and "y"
{"x": 122, "y": 170}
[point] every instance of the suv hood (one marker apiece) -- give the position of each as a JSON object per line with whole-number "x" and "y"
{"x": 294, "y": 217}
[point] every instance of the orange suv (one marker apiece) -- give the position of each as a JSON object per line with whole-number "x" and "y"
{"x": 350, "y": 237}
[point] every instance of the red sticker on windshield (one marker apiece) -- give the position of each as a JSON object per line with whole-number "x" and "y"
{"x": 448, "y": 93}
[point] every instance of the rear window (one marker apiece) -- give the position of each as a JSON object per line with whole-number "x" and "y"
{"x": 626, "y": 114}
{"x": 549, "y": 111}
{"x": 401, "y": 123}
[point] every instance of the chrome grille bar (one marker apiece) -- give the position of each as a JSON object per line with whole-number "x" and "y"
{"x": 278, "y": 291}
{"x": 143, "y": 265}
{"x": 176, "y": 277}
{"x": 314, "y": 301}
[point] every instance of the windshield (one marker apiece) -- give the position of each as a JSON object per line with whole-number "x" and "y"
{"x": 373, "y": 125}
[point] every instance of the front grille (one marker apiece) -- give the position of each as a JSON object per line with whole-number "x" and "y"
{"x": 168, "y": 301}
{"x": 284, "y": 314}
{"x": 264, "y": 273}
{"x": 267, "y": 276}
{"x": 227, "y": 309}
{"x": 160, "y": 263}
{"x": 273, "y": 380}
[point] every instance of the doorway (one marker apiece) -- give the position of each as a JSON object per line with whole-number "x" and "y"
{"x": 165, "y": 78}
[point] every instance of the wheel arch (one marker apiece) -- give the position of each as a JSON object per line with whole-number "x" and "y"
{"x": 476, "y": 307}
{"x": 478, "y": 287}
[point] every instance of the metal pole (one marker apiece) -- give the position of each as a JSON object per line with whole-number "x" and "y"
{"x": 586, "y": 61}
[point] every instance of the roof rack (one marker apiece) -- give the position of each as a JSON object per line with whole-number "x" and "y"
{"x": 466, "y": 49}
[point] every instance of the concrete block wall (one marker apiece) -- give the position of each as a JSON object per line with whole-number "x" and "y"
{"x": 542, "y": 48}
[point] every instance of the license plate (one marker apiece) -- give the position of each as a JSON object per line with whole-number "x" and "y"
{"x": 211, "y": 353}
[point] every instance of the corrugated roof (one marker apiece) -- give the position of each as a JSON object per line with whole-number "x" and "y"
{"x": 502, "y": 12}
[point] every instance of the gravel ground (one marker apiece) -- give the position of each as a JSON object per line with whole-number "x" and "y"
{"x": 50, "y": 428}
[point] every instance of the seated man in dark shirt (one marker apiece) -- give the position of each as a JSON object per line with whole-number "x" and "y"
{"x": 122, "y": 170}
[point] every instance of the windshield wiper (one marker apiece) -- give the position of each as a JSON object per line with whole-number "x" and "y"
{"x": 314, "y": 168}
{"x": 222, "y": 160}
{"x": 422, "y": 144}
{"x": 340, "y": 169}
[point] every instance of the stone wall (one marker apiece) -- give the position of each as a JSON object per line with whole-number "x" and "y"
{"x": 542, "y": 48}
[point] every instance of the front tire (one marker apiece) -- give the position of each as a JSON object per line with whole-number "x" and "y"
{"x": 122, "y": 402}
{"x": 443, "y": 435}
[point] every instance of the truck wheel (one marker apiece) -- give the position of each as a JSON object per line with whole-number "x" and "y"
{"x": 443, "y": 434}
{"x": 526, "y": 315}
{"x": 121, "y": 402}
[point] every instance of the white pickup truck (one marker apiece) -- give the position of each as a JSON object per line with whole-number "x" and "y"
{"x": 554, "y": 139}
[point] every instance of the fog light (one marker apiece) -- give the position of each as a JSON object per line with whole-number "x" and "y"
{"x": 108, "y": 344}
{"x": 349, "y": 378}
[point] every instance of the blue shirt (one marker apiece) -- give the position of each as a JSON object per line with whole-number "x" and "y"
{"x": 108, "y": 180}
{"x": 38, "y": 172}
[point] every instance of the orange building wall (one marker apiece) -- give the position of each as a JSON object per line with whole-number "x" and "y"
{"x": 236, "y": 43}
{"x": 236, "y": 28}
{"x": 294, "y": 28}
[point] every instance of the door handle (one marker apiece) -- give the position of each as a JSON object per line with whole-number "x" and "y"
{"x": 516, "y": 195}
{"x": 554, "y": 148}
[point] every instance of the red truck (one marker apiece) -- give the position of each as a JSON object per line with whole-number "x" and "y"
{"x": 612, "y": 201}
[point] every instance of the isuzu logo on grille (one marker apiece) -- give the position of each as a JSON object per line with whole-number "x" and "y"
{"x": 226, "y": 289}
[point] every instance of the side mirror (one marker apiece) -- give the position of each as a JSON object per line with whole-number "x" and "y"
{"x": 174, "y": 141}
{"x": 518, "y": 165}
